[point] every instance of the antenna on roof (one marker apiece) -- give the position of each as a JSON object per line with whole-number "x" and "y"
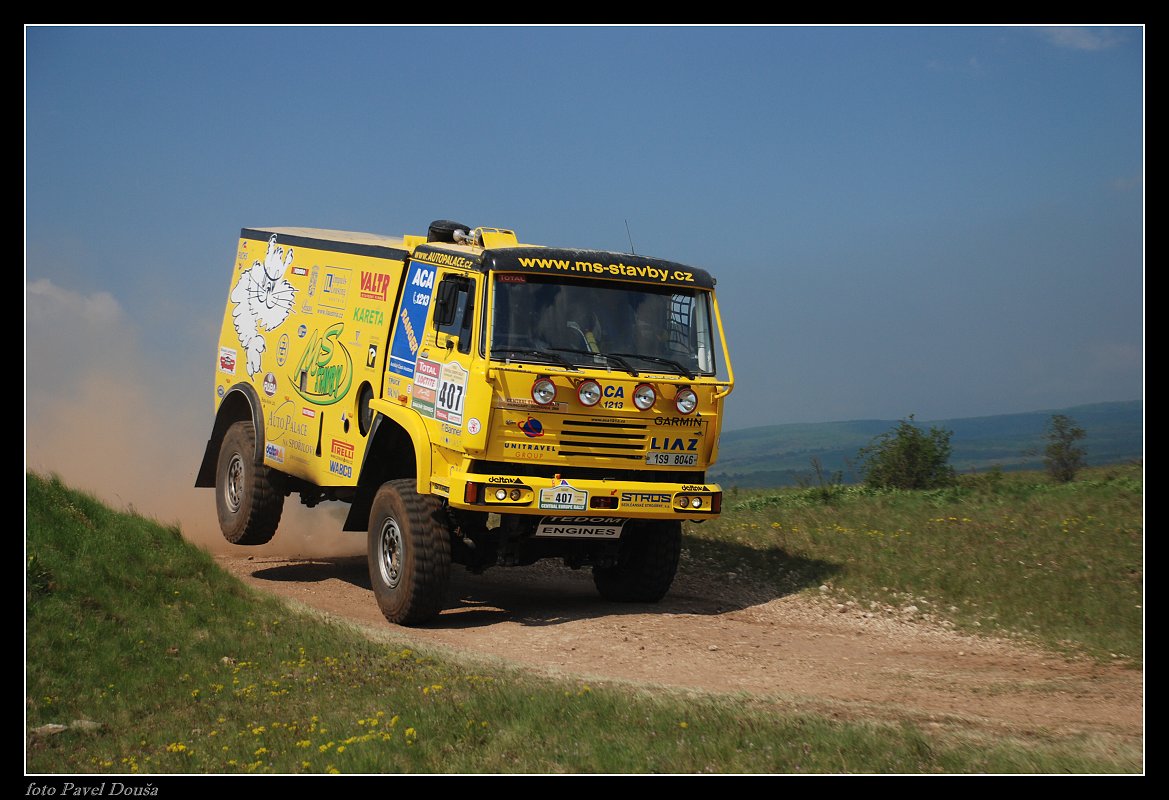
{"x": 630, "y": 235}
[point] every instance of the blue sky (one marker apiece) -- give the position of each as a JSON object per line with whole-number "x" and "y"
{"x": 940, "y": 221}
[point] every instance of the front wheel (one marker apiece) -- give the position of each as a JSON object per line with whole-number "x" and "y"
{"x": 409, "y": 553}
{"x": 646, "y": 563}
{"x": 249, "y": 497}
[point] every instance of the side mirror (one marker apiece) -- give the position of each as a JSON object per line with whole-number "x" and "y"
{"x": 445, "y": 304}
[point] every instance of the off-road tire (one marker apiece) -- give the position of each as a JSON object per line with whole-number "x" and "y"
{"x": 249, "y": 497}
{"x": 646, "y": 563}
{"x": 409, "y": 553}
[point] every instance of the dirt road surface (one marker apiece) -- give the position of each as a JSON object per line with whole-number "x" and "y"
{"x": 715, "y": 635}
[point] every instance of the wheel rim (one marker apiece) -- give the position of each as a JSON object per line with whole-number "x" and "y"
{"x": 390, "y": 552}
{"x": 233, "y": 486}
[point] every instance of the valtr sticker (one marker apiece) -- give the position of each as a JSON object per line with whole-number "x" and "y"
{"x": 580, "y": 527}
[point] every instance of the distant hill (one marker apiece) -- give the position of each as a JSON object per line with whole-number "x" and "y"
{"x": 781, "y": 455}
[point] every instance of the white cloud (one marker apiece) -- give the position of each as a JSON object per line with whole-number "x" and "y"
{"x": 45, "y": 299}
{"x": 1078, "y": 38}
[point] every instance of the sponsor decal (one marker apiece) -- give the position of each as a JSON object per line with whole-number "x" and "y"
{"x": 262, "y": 299}
{"x": 274, "y": 452}
{"x": 307, "y": 308}
{"x": 412, "y": 318}
{"x": 645, "y": 499}
{"x": 369, "y": 316}
{"x": 422, "y": 400}
{"x": 219, "y": 390}
{"x": 371, "y": 355}
{"x": 525, "y": 403}
{"x": 671, "y": 451}
{"x": 299, "y": 271}
{"x": 497, "y": 479}
{"x": 282, "y": 350}
{"x": 325, "y": 370}
{"x": 281, "y": 421}
{"x": 678, "y": 422}
{"x": 303, "y": 447}
{"x": 474, "y": 425}
{"x": 335, "y": 287}
{"x": 227, "y": 360}
{"x": 581, "y": 527}
{"x": 342, "y": 450}
{"x": 301, "y": 331}
{"x": 441, "y": 488}
{"x": 452, "y": 430}
{"x": 695, "y": 488}
{"x": 510, "y": 277}
{"x": 337, "y": 468}
{"x": 532, "y": 427}
{"x": 618, "y": 270}
{"x": 270, "y": 384}
{"x": 543, "y": 448}
{"x": 308, "y": 412}
{"x": 563, "y": 497}
{"x": 374, "y": 285}
{"x": 452, "y": 388}
{"x": 445, "y": 259}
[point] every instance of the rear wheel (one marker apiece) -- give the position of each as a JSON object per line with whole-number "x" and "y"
{"x": 409, "y": 553}
{"x": 646, "y": 563}
{"x": 249, "y": 497}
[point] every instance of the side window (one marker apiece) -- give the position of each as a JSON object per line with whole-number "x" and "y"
{"x": 461, "y": 292}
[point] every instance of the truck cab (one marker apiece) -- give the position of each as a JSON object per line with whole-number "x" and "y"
{"x": 476, "y": 400}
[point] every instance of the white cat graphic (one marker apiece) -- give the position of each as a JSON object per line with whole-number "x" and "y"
{"x": 263, "y": 299}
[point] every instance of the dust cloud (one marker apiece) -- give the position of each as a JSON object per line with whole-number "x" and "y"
{"x": 107, "y": 420}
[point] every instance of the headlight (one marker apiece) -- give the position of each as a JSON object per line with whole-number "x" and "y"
{"x": 589, "y": 393}
{"x": 686, "y": 400}
{"x": 543, "y": 391}
{"x": 644, "y": 396}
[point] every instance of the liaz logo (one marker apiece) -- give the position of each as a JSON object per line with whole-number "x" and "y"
{"x": 532, "y": 427}
{"x": 666, "y": 443}
{"x": 325, "y": 370}
{"x": 374, "y": 285}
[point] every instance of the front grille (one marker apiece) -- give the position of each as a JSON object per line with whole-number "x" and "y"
{"x": 615, "y": 439}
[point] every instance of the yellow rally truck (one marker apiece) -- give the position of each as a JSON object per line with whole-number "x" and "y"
{"x": 477, "y": 401}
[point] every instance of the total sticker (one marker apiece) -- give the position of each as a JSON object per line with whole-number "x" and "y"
{"x": 563, "y": 497}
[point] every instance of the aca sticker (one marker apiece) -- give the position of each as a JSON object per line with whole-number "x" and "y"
{"x": 411, "y": 321}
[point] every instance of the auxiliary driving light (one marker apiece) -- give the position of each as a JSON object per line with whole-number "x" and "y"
{"x": 686, "y": 400}
{"x": 644, "y": 396}
{"x": 589, "y": 393}
{"x": 544, "y": 391}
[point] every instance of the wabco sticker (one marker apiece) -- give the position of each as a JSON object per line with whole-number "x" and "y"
{"x": 580, "y": 527}
{"x": 563, "y": 497}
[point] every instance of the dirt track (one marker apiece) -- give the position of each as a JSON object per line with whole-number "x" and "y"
{"x": 807, "y": 653}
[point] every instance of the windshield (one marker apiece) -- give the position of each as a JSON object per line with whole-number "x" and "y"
{"x": 633, "y": 327}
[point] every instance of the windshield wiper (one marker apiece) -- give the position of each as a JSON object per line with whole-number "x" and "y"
{"x": 614, "y": 357}
{"x": 669, "y": 362}
{"x": 545, "y": 356}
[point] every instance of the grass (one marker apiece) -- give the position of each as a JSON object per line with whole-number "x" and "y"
{"x": 155, "y": 661}
{"x": 1009, "y": 553}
